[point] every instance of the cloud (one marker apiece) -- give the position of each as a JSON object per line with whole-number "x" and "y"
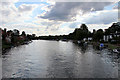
{"x": 9, "y": 1}
{"x": 96, "y": 26}
{"x": 11, "y": 14}
{"x": 53, "y": 17}
{"x": 96, "y": 18}
{"x": 47, "y": 8}
{"x": 66, "y": 11}
{"x": 86, "y": 0}
{"x": 26, "y": 7}
{"x": 5, "y": 12}
{"x": 115, "y": 7}
{"x": 49, "y": 25}
{"x": 51, "y": 1}
{"x": 29, "y": 28}
{"x": 100, "y": 17}
{"x": 74, "y": 25}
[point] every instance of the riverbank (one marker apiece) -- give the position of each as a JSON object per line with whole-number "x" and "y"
{"x": 108, "y": 45}
{"x": 115, "y": 48}
{"x": 112, "y": 46}
{"x": 96, "y": 44}
{"x": 6, "y": 47}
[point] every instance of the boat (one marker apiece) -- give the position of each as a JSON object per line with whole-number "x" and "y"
{"x": 116, "y": 51}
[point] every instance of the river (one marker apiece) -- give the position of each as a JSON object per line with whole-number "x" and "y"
{"x": 58, "y": 59}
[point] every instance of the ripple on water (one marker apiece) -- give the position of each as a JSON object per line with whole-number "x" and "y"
{"x": 61, "y": 61}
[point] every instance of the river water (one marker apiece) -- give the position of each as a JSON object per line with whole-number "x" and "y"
{"x": 57, "y": 59}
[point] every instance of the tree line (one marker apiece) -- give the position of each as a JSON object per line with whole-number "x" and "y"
{"x": 13, "y": 38}
{"x": 112, "y": 33}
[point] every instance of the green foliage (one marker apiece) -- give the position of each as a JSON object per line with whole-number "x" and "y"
{"x": 23, "y": 33}
{"x": 98, "y": 35}
{"x": 81, "y": 33}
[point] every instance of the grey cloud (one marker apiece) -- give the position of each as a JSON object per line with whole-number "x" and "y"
{"x": 47, "y": 23}
{"x": 65, "y": 11}
{"x": 5, "y": 12}
{"x": 52, "y": 26}
{"x": 102, "y": 18}
{"x": 50, "y": 23}
{"x": 5, "y": 3}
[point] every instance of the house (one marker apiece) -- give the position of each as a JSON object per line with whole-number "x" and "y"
{"x": 110, "y": 36}
{"x": 87, "y": 39}
{"x": 106, "y": 38}
{"x": 112, "y": 32}
{"x": 0, "y": 34}
{"x": 8, "y": 39}
{"x": 16, "y": 32}
{"x": 90, "y": 39}
{"x": 21, "y": 38}
{"x": 8, "y": 36}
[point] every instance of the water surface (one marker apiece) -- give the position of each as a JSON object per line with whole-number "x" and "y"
{"x": 53, "y": 59}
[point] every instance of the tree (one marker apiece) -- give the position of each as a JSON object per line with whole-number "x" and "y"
{"x": 98, "y": 35}
{"x": 16, "y": 32}
{"x": 94, "y": 31}
{"x": 81, "y": 33}
{"x": 84, "y": 31}
{"x": 84, "y": 27}
{"x": 23, "y": 33}
{"x": 4, "y": 34}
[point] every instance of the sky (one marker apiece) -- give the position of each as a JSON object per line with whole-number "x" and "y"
{"x": 50, "y": 17}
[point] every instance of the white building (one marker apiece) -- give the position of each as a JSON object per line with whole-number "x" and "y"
{"x": 106, "y": 38}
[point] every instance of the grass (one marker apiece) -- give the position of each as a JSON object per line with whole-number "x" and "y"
{"x": 111, "y": 46}
{"x": 6, "y": 46}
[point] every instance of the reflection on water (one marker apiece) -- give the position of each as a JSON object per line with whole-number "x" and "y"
{"x": 52, "y": 59}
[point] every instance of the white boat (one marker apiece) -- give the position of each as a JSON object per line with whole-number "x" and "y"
{"x": 116, "y": 51}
